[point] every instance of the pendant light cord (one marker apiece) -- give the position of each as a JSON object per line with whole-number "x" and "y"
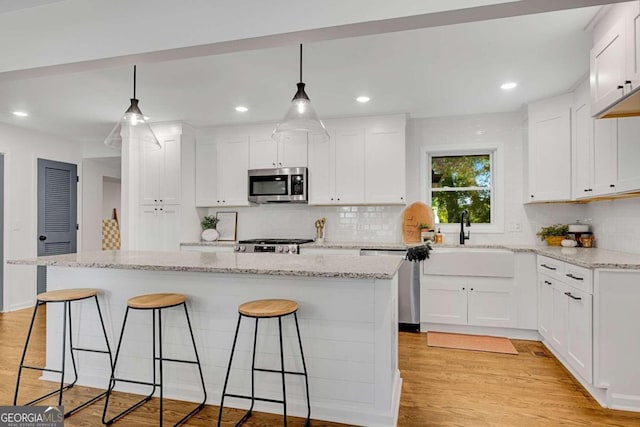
{"x": 134, "y": 82}
{"x": 300, "y": 62}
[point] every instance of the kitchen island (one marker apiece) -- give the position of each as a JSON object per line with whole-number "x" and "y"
{"x": 348, "y": 323}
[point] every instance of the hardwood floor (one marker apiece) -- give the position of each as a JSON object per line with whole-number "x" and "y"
{"x": 442, "y": 387}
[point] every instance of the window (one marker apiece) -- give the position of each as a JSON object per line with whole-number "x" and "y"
{"x": 465, "y": 176}
{"x": 460, "y": 182}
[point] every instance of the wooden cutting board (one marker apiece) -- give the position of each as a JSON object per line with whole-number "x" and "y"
{"x": 413, "y": 215}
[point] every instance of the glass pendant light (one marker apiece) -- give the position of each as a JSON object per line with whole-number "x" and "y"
{"x": 135, "y": 122}
{"x": 301, "y": 117}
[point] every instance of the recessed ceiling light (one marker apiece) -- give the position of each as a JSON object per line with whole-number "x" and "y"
{"x": 363, "y": 99}
{"x": 241, "y": 109}
{"x": 20, "y": 114}
{"x": 509, "y": 85}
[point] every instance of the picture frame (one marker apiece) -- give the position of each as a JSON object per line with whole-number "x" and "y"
{"x": 227, "y": 225}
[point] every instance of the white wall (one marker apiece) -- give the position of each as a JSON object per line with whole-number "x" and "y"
{"x": 110, "y": 197}
{"x": 22, "y": 148}
{"x": 94, "y": 172}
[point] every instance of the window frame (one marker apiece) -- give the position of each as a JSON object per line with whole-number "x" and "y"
{"x": 496, "y": 152}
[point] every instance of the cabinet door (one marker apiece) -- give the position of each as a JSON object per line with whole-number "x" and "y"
{"x": 170, "y": 177}
{"x": 583, "y": 148}
{"x": 550, "y": 151}
{"x": 349, "y": 160}
{"x": 151, "y": 164}
{"x": 545, "y": 306}
{"x": 605, "y": 155}
{"x": 559, "y": 317}
{"x": 149, "y": 239}
{"x": 608, "y": 68}
{"x": 263, "y": 152}
{"x": 169, "y": 227}
{"x": 579, "y": 334}
{"x": 491, "y": 304}
{"x": 322, "y": 170}
{"x": 384, "y": 161}
{"x": 206, "y": 174}
{"x": 628, "y": 154}
{"x": 633, "y": 46}
{"x": 443, "y": 300}
{"x": 233, "y": 163}
{"x": 292, "y": 153}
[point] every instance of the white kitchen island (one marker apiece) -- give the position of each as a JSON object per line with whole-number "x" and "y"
{"x": 348, "y": 323}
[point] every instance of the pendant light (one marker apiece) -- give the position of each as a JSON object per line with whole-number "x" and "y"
{"x": 301, "y": 117}
{"x": 134, "y": 121}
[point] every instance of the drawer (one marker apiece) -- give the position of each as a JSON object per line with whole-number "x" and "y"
{"x": 578, "y": 277}
{"x": 551, "y": 267}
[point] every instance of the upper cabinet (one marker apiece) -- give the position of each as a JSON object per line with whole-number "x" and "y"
{"x": 266, "y": 153}
{"x": 582, "y": 144}
{"x": 628, "y": 173}
{"x": 160, "y": 178}
{"x": 615, "y": 56}
{"x": 385, "y": 165}
{"x": 549, "y": 150}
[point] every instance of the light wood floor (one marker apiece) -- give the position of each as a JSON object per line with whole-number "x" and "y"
{"x": 441, "y": 387}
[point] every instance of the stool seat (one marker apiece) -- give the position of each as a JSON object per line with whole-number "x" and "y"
{"x": 268, "y": 308}
{"x": 150, "y": 301}
{"x": 67, "y": 295}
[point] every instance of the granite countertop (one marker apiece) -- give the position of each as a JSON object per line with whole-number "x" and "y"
{"x": 336, "y": 266}
{"x": 215, "y": 243}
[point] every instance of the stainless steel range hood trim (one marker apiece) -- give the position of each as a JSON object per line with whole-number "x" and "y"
{"x": 628, "y": 106}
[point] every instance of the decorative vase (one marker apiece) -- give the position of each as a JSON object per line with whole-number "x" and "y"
{"x": 210, "y": 235}
{"x": 554, "y": 240}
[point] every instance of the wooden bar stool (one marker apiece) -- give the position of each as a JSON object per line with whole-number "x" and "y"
{"x": 156, "y": 303}
{"x": 266, "y": 309}
{"x": 65, "y": 296}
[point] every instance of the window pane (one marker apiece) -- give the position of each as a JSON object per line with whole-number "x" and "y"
{"x": 448, "y": 205}
{"x": 461, "y": 171}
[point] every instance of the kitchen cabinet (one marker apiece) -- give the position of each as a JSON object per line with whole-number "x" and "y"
{"x": 583, "y": 139}
{"x": 565, "y": 294}
{"x": 385, "y": 178}
{"x": 160, "y": 178}
{"x": 476, "y": 301}
{"x": 628, "y": 178}
{"x": 159, "y": 228}
{"x": 207, "y": 248}
{"x": 608, "y": 67}
{"x": 605, "y": 157}
{"x": 549, "y": 150}
{"x": 226, "y": 183}
{"x": 266, "y": 153}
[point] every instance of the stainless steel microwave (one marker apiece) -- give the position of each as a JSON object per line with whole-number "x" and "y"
{"x": 281, "y": 185}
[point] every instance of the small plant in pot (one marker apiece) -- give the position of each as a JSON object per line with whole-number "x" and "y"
{"x": 426, "y": 233}
{"x": 553, "y": 234}
{"x": 209, "y": 232}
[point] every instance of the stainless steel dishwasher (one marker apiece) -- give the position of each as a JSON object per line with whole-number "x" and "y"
{"x": 408, "y": 289}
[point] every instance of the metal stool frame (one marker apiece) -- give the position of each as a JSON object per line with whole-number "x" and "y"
{"x": 281, "y": 371}
{"x": 159, "y": 359}
{"x": 67, "y": 315}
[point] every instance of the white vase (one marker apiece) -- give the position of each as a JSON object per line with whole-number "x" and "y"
{"x": 210, "y": 235}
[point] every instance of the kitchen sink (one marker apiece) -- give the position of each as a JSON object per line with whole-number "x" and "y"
{"x": 485, "y": 262}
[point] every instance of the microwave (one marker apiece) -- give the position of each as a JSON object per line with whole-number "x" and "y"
{"x": 280, "y": 185}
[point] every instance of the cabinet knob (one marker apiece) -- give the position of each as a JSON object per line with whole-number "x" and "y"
{"x": 280, "y": 164}
{"x": 612, "y": 185}
{"x": 332, "y": 199}
{"x": 532, "y": 196}
{"x": 218, "y": 201}
{"x": 155, "y": 200}
{"x": 401, "y": 198}
{"x": 620, "y": 87}
{"x": 273, "y": 164}
{"x": 627, "y": 82}
{"x": 160, "y": 200}
{"x": 471, "y": 289}
{"x": 464, "y": 289}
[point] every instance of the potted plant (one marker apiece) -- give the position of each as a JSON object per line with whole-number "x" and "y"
{"x": 553, "y": 234}
{"x": 425, "y": 231}
{"x": 209, "y": 232}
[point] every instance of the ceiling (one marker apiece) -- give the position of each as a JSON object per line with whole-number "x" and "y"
{"x": 13, "y": 5}
{"x": 441, "y": 71}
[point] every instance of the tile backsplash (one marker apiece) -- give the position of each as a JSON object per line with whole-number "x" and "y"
{"x": 616, "y": 224}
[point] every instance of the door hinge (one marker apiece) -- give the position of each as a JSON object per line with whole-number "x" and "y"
{"x": 77, "y": 178}
{"x": 77, "y": 226}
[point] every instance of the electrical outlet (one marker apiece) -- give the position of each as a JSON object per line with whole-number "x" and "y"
{"x": 515, "y": 227}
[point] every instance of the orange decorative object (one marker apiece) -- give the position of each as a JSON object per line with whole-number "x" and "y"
{"x": 412, "y": 216}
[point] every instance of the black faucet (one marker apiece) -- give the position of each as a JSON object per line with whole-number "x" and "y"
{"x": 464, "y": 237}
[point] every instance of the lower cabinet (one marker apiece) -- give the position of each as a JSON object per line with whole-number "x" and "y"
{"x": 159, "y": 228}
{"x": 207, "y": 248}
{"x": 565, "y": 313}
{"x": 476, "y": 301}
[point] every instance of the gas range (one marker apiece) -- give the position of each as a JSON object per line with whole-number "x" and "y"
{"x": 276, "y": 246}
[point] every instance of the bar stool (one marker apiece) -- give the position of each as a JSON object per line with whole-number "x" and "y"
{"x": 266, "y": 309}
{"x": 66, "y": 296}
{"x": 156, "y": 303}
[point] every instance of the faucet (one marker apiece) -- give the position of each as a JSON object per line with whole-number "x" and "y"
{"x": 464, "y": 237}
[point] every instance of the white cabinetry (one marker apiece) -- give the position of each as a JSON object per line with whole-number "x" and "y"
{"x": 159, "y": 228}
{"x": 583, "y": 136}
{"x": 349, "y": 169}
{"x": 385, "y": 165}
{"x": 605, "y": 157}
{"x": 266, "y": 153}
{"x": 628, "y": 154}
{"x": 221, "y": 171}
{"x": 550, "y": 132}
{"x": 160, "y": 179}
{"x": 565, "y": 312}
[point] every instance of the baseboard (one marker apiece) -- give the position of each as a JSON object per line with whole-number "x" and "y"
{"x": 20, "y": 306}
{"x": 623, "y": 402}
{"x": 513, "y": 333}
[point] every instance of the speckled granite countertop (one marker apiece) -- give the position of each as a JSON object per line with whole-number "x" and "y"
{"x": 216, "y": 243}
{"x": 338, "y": 266}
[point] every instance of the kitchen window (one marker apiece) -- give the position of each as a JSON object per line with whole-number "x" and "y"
{"x": 465, "y": 179}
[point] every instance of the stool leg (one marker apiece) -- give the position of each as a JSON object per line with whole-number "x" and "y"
{"x": 160, "y": 353}
{"x": 64, "y": 348}
{"x": 226, "y": 379}
{"x": 304, "y": 368}
{"x": 253, "y": 367}
{"x": 195, "y": 351}
{"x": 284, "y": 388}
{"x": 73, "y": 359}
{"x": 104, "y": 331}
{"x": 24, "y": 352}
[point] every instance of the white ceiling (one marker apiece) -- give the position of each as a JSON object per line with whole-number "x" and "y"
{"x": 442, "y": 71}
{"x": 13, "y": 5}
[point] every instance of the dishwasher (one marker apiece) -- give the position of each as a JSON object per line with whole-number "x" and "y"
{"x": 408, "y": 289}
